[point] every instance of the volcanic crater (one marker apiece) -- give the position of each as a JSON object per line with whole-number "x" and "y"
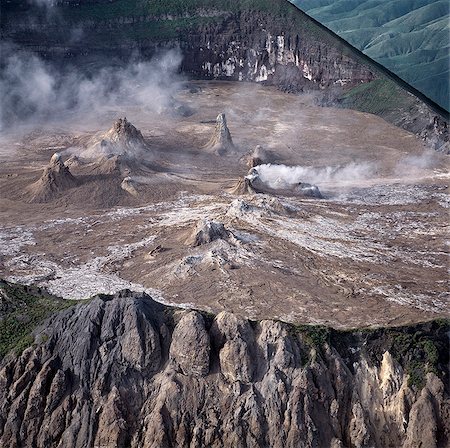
{"x": 345, "y": 226}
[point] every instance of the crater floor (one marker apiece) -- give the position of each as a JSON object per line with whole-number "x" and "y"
{"x": 372, "y": 252}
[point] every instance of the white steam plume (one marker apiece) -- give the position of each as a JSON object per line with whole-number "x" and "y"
{"x": 429, "y": 159}
{"x": 33, "y": 92}
{"x": 282, "y": 176}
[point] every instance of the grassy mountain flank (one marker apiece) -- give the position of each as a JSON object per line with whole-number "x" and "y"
{"x": 409, "y": 37}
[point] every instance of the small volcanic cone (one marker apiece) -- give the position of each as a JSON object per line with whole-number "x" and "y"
{"x": 123, "y": 132}
{"x": 129, "y": 186}
{"x": 55, "y": 178}
{"x": 123, "y": 139}
{"x": 206, "y": 232}
{"x": 243, "y": 186}
{"x": 221, "y": 142}
{"x": 259, "y": 156}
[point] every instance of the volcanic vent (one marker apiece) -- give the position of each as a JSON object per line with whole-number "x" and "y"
{"x": 221, "y": 142}
{"x": 55, "y": 178}
{"x": 255, "y": 182}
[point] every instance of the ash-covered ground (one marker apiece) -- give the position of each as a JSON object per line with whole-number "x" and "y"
{"x": 169, "y": 220}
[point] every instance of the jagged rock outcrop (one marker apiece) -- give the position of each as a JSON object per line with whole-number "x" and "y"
{"x": 127, "y": 371}
{"x": 221, "y": 142}
{"x": 231, "y": 335}
{"x": 266, "y": 47}
{"x": 435, "y": 134}
{"x": 190, "y": 348}
{"x": 55, "y": 179}
{"x": 206, "y": 232}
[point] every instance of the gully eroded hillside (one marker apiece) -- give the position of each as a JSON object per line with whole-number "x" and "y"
{"x": 127, "y": 371}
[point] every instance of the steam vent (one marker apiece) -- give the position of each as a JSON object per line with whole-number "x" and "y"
{"x": 253, "y": 184}
{"x": 221, "y": 142}
{"x": 55, "y": 178}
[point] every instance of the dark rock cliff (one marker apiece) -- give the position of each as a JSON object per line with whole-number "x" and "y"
{"x": 253, "y": 46}
{"x": 126, "y": 371}
{"x": 257, "y": 40}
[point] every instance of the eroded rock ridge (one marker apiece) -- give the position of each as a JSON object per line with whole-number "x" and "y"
{"x": 128, "y": 371}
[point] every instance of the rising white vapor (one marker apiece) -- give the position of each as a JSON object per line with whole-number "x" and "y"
{"x": 33, "y": 91}
{"x": 282, "y": 176}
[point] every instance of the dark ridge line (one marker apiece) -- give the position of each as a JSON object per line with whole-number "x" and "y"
{"x": 35, "y": 290}
{"x": 380, "y": 68}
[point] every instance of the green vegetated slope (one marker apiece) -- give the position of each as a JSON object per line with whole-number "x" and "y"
{"x": 409, "y": 37}
{"x": 22, "y": 309}
{"x": 378, "y": 97}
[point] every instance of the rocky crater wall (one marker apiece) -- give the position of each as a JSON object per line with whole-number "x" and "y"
{"x": 258, "y": 47}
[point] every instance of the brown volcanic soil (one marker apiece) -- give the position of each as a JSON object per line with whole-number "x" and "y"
{"x": 371, "y": 253}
